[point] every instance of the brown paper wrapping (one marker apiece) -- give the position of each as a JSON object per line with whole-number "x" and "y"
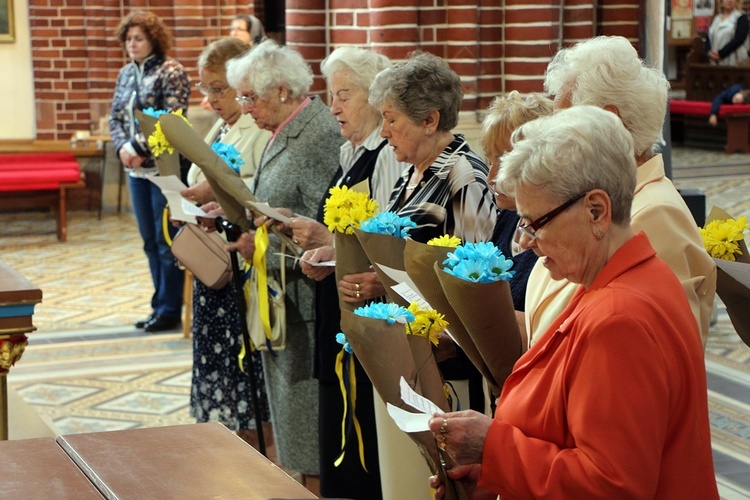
{"x": 167, "y": 163}
{"x": 385, "y": 354}
{"x": 734, "y": 294}
{"x": 419, "y": 261}
{"x": 486, "y": 311}
{"x": 428, "y": 376}
{"x": 350, "y": 259}
{"x": 386, "y": 250}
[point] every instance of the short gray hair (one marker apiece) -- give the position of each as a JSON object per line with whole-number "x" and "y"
{"x": 268, "y": 66}
{"x": 418, "y": 86}
{"x": 571, "y": 152}
{"x": 606, "y": 71}
{"x": 360, "y": 65}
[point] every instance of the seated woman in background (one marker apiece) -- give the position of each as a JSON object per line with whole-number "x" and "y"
{"x": 612, "y": 401}
{"x": 504, "y": 115}
{"x": 727, "y": 41}
{"x": 220, "y": 392}
{"x": 732, "y": 95}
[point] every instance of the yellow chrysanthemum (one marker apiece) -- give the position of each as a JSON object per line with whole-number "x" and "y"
{"x": 427, "y": 323}
{"x": 445, "y": 240}
{"x": 345, "y": 209}
{"x": 158, "y": 143}
{"x": 722, "y": 237}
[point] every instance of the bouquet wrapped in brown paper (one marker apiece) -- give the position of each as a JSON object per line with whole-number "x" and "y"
{"x": 723, "y": 236}
{"x": 166, "y": 158}
{"x": 344, "y": 210}
{"x": 386, "y": 250}
{"x": 474, "y": 281}
{"x": 419, "y": 261}
{"x": 384, "y": 350}
{"x": 229, "y": 188}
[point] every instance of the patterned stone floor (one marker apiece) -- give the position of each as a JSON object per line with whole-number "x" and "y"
{"x": 87, "y": 369}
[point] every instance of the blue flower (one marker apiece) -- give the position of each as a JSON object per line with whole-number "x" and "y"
{"x": 388, "y": 223}
{"x": 478, "y": 262}
{"x": 392, "y": 313}
{"x": 341, "y": 339}
{"x": 229, "y": 154}
{"x": 154, "y": 112}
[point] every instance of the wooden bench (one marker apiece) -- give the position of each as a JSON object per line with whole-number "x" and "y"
{"x": 34, "y": 180}
{"x": 703, "y": 83}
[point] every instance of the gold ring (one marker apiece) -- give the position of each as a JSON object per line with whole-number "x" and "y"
{"x": 444, "y": 427}
{"x": 358, "y": 295}
{"x": 442, "y": 444}
{"x": 356, "y": 285}
{"x": 296, "y": 241}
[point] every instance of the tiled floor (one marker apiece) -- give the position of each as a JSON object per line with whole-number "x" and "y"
{"x": 87, "y": 369}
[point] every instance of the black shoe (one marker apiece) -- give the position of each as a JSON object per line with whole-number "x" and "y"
{"x": 162, "y": 324}
{"x": 142, "y": 323}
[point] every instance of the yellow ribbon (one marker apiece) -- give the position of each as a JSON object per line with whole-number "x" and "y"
{"x": 353, "y": 389}
{"x": 246, "y": 292}
{"x": 165, "y": 225}
{"x": 259, "y": 261}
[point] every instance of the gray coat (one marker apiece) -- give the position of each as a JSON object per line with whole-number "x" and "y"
{"x": 294, "y": 173}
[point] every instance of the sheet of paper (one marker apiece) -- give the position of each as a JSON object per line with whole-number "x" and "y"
{"x": 170, "y": 186}
{"x": 737, "y": 270}
{"x": 325, "y": 263}
{"x": 267, "y": 210}
{"x": 407, "y": 421}
{"x": 416, "y": 401}
{"x": 191, "y": 209}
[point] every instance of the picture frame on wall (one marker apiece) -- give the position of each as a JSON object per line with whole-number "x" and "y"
{"x": 7, "y": 27}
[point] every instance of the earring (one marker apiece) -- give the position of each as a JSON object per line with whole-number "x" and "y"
{"x": 599, "y": 235}
{"x": 426, "y": 131}
{"x": 283, "y": 99}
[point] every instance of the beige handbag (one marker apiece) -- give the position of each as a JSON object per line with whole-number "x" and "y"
{"x": 203, "y": 255}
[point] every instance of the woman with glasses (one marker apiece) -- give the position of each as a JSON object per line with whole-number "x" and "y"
{"x": 504, "y": 115}
{"x": 220, "y": 392}
{"x": 151, "y": 80}
{"x": 297, "y": 164}
{"x": 611, "y": 402}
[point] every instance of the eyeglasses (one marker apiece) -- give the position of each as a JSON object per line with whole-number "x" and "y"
{"x": 246, "y": 100}
{"x": 217, "y": 91}
{"x": 531, "y": 228}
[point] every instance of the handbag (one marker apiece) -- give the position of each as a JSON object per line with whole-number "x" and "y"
{"x": 266, "y": 309}
{"x": 203, "y": 255}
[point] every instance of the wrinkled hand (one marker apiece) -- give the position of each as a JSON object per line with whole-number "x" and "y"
{"x": 468, "y": 476}
{"x": 213, "y": 209}
{"x": 200, "y": 193}
{"x": 309, "y": 233}
{"x": 714, "y": 55}
{"x": 461, "y": 434}
{"x": 318, "y": 255}
{"x": 245, "y": 245}
{"x": 361, "y": 287}
{"x": 260, "y": 220}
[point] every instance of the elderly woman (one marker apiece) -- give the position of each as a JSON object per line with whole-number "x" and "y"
{"x": 151, "y": 80}
{"x": 606, "y": 72}
{"x": 220, "y": 391}
{"x": 365, "y": 156}
{"x": 727, "y": 40}
{"x": 297, "y": 164}
{"x": 611, "y": 403}
{"x": 504, "y": 115}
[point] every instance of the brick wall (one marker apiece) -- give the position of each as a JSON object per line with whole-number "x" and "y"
{"x": 495, "y": 45}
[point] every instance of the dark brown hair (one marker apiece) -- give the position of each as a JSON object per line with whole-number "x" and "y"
{"x": 153, "y": 27}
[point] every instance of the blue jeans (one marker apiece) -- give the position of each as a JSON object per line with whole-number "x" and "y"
{"x": 148, "y": 205}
